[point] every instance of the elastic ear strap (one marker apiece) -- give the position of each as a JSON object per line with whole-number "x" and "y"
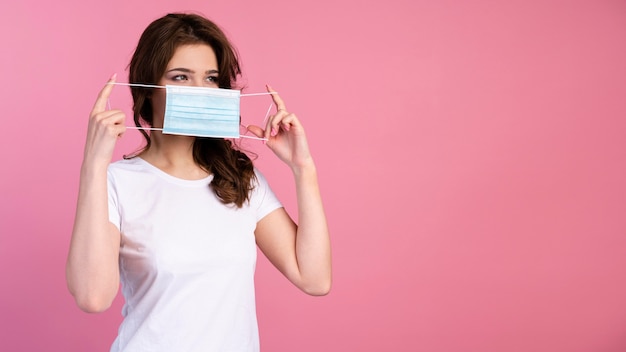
{"x": 157, "y": 86}
{"x": 267, "y": 114}
{"x": 254, "y": 94}
{"x": 253, "y": 137}
{"x": 144, "y": 128}
{"x": 136, "y": 85}
{"x": 160, "y": 129}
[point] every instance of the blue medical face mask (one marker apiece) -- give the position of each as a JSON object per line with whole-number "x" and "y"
{"x": 200, "y": 111}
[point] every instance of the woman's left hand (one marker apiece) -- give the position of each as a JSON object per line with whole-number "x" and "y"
{"x": 285, "y": 135}
{"x": 301, "y": 252}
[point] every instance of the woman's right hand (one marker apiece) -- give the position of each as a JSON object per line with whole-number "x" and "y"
{"x": 92, "y": 267}
{"x": 105, "y": 128}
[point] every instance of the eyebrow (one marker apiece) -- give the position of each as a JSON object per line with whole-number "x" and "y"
{"x": 186, "y": 70}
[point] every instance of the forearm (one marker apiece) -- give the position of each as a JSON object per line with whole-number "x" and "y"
{"x": 92, "y": 264}
{"x": 312, "y": 240}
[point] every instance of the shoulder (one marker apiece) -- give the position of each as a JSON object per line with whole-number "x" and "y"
{"x": 259, "y": 181}
{"x": 125, "y": 166}
{"x": 127, "y": 169}
{"x": 262, "y": 194}
{"x": 258, "y": 176}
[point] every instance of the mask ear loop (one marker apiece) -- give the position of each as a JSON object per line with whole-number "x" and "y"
{"x": 144, "y": 128}
{"x": 136, "y": 85}
{"x": 267, "y": 114}
{"x": 252, "y": 137}
{"x": 160, "y": 129}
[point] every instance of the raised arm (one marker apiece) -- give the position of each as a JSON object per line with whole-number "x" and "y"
{"x": 301, "y": 252}
{"x": 92, "y": 268}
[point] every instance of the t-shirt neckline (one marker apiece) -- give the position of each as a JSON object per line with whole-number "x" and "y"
{"x": 180, "y": 181}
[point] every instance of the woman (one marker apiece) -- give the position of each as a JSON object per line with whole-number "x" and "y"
{"x": 177, "y": 223}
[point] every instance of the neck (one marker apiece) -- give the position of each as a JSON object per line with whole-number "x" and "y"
{"x": 174, "y": 155}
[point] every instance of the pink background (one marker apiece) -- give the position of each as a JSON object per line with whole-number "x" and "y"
{"x": 471, "y": 156}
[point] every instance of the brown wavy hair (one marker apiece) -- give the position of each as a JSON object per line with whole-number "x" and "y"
{"x": 232, "y": 169}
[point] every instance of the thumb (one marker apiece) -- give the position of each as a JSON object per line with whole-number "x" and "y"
{"x": 256, "y": 130}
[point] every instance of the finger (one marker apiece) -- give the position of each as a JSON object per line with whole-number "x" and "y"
{"x": 119, "y": 130}
{"x": 280, "y": 104}
{"x": 286, "y": 125}
{"x": 114, "y": 127}
{"x": 107, "y": 119}
{"x": 274, "y": 122}
{"x": 290, "y": 121}
{"x": 256, "y": 130}
{"x": 103, "y": 96}
{"x": 107, "y": 114}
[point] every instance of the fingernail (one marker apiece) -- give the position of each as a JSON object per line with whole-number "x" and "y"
{"x": 113, "y": 77}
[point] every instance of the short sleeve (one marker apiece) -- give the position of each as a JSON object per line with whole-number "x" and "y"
{"x": 114, "y": 212}
{"x": 263, "y": 199}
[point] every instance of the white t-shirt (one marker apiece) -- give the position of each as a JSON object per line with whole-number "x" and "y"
{"x": 186, "y": 261}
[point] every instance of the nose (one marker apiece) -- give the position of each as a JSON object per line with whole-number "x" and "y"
{"x": 197, "y": 81}
{"x": 203, "y": 82}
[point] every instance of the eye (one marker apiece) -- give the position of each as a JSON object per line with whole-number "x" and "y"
{"x": 179, "y": 78}
{"x": 212, "y": 79}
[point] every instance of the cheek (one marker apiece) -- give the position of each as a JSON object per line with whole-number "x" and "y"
{"x": 158, "y": 105}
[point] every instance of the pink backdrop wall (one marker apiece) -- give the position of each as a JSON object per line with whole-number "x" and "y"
{"x": 471, "y": 155}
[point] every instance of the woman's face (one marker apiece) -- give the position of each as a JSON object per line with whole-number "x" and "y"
{"x": 191, "y": 65}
